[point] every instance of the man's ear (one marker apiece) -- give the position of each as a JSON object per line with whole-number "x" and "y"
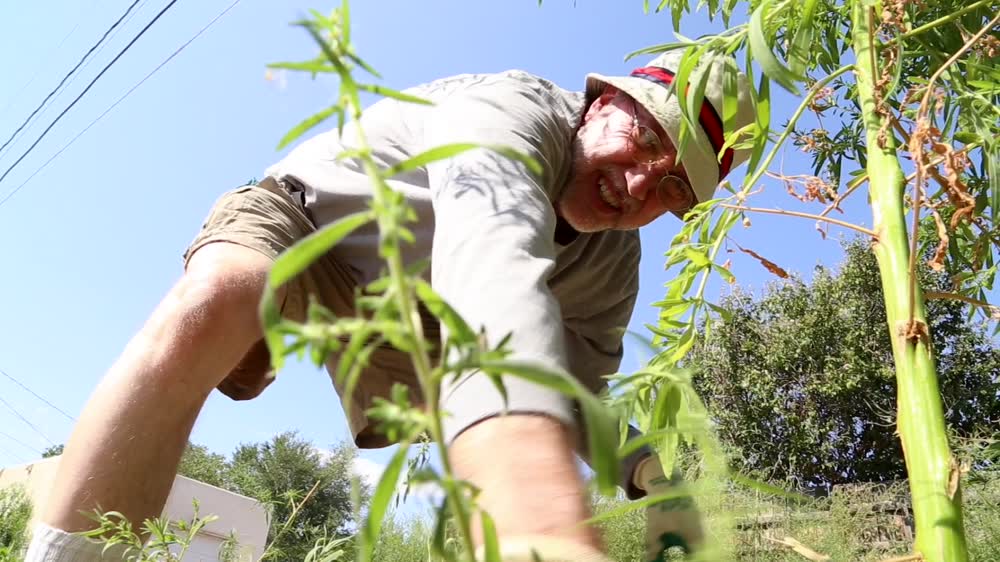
{"x": 602, "y": 100}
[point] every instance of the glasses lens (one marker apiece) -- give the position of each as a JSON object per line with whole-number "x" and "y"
{"x": 647, "y": 147}
{"x": 674, "y": 193}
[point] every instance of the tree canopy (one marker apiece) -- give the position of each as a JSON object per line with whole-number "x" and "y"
{"x": 801, "y": 380}
{"x": 280, "y": 473}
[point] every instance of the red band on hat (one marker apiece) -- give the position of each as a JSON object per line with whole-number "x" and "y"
{"x": 709, "y": 118}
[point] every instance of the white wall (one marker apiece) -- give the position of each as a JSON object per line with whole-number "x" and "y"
{"x": 235, "y": 512}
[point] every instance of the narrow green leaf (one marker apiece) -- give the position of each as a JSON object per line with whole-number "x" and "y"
{"x": 451, "y": 150}
{"x": 307, "y": 124}
{"x": 296, "y": 259}
{"x": 723, "y": 312}
{"x": 368, "y": 68}
{"x": 763, "y": 100}
{"x": 730, "y": 84}
{"x": 390, "y": 93}
{"x": 727, "y": 11}
{"x": 491, "y": 545}
{"x": 966, "y": 137}
{"x": 684, "y": 345}
{"x": 679, "y": 88}
{"x": 424, "y": 158}
{"x": 802, "y": 47}
{"x": 665, "y": 410}
{"x": 380, "y": 501}
{"x": 762, "y": 53}
{"x": 441, "y": 310}
{"x": 727, "y": 275}
{"x": 635, "y": 505}
{"x": 657, "y": 49}
{"x": 696, "y": 96}
{"x": 640, "y": 441}
{"x": 676, "y": 12}
{"x": 325, "y": 47}
{"x": 352, "y": 153}
{"x": 270, "y": 319}
{"x": 345, "y": 21}
{"x": 314, "y": 66}
{"x": 698, "y": 257}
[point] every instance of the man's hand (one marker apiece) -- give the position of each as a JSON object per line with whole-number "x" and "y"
{"x": 674, "y": 522}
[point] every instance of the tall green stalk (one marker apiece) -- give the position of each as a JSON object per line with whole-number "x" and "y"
{"x": 933, "y": 474}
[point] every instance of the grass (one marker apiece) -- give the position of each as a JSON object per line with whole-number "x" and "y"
{"x": 864, "y": 523}
{"x": 15, "y": 511}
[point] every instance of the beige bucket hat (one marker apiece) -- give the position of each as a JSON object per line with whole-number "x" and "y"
{"x": 651, "y": 86}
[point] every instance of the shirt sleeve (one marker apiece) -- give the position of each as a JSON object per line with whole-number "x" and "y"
{"x": 493, "y": 248}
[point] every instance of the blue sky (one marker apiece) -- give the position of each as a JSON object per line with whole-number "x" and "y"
{"x": 92, "y": 242}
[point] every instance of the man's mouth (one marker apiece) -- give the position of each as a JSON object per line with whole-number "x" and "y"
{"x": 610, "y": 194}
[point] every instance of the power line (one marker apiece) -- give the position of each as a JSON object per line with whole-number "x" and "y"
{"x": 87, "y": 89}
{"x": 69, "y": 84}
{"x": 51, "y": 405}
{"x": 25, "y": 420}
{"x": 112, "y": 106}
{"x": 19, "y": 442}
{"x": 63, "y": 81}
{"x": 40, "y": 65}
{"x": 17, "y": 458}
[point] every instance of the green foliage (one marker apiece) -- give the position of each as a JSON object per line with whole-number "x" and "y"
{"x": 406, "y": 540}
{"x": 159, "y": 539}
{"x": 15, "y": 512}
{"x": 203, "y": 465}
{"x": 800, "y": 380}
{"x": 308, "y": 493}
{"x": 389, "y": 308}
{"x": 53, "y": 451}
{"x": 280, "y": 473}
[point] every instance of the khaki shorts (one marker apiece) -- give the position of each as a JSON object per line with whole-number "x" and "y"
{"x": 269, "y": 217}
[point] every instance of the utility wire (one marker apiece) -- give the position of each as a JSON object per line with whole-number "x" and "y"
{"x": 19, "y": 442}
{"x": 65, "y": 78}
{"x": 51, "y": 405}
{"x": 108, "y": 110}
{"x": 38, "y": 72}
{"x": 17, "y": 458}
{"x": 25, "y": 420}
{"x": 87, "y": 89}
{"x": 45, "y": 112}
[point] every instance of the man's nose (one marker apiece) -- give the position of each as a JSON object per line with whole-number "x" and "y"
{"x": 642, "y": 181}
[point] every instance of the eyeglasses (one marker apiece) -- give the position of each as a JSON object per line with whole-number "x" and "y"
{"x": 647, "y": 149}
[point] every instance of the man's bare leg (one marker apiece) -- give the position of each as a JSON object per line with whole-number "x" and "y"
{"x": 125, "y": 449}
{"x": 526, "y": 469}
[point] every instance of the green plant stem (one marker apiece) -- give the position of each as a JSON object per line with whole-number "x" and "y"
{"x": 289, "y": 521}
{"x": 929, "y": 25}
{"x": 420, "y": 357}
{"x": 935, "y": 492}
{"x": 819, "y": 85}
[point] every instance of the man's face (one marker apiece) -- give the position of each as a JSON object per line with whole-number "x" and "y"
{"x": 615, "y": 183}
